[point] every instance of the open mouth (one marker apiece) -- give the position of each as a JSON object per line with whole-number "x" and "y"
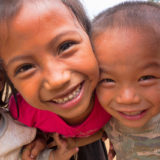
{"x": 69, "y": 97}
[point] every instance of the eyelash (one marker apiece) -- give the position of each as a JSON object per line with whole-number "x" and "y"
{"x": 66, "y": 45}
{"x": 147, "y": 77}
{"x": 107, "y": 80}
{"x": 23, "y": 68}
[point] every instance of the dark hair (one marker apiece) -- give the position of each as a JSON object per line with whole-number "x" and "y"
{"x": 4, "y": 91}
{"x": 8, "y": 10}
{"x": 137, "y": 15}
{"x": 77, "y": 9}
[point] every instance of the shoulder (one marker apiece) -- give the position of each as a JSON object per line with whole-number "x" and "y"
{"x": 14, "y": 132}
{"x": 13, "y": 136}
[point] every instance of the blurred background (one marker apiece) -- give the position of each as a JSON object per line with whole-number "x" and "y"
{"x": 93, "y": 7}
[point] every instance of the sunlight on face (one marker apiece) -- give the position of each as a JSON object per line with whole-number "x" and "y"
{"x": 129, "y": 85}
{"x": 50, "y": 61}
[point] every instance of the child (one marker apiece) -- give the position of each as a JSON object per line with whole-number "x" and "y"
{"x": 127, "y": 45}
{"x": 13, "y": 137}
{"x": 48, "y": 58}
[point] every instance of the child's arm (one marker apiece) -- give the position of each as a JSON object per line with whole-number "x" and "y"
{"x": 78, "y": 142}
{"x": 32, "y": 150}
{"x": 73, "y": 142}
{"x": 62, "y": 152}
{"x": 36, "y": 150}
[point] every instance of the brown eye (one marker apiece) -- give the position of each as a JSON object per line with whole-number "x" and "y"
{"x": 147, "y": 77}
{"x": 66, "y": 46}
{"x": 107, "y": 80}
{"x": 24, "y": 68}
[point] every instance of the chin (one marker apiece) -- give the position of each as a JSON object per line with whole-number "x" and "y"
{"x": 134, "y": 125}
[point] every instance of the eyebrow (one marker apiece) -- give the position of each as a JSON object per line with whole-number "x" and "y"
{"x": 49, "y": 46}
{"x": 148, "y": 65}
{"x": 58, "y": 37}
{"x": 17, "y": 58}
{"x": 151, "y": 65}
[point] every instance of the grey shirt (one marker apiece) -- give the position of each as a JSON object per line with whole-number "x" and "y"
{"x": 13, "y": 136}
{"x": 135, "y": 144}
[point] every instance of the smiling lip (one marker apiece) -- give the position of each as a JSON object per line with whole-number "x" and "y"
{"x": 71, "y": 99}
{"x": 133, "y": 115}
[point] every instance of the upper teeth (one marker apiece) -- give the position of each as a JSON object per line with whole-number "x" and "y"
{"x": 69, "y": 97}
{"x": 132, "y": 113}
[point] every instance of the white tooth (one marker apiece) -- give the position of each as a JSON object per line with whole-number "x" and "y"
{"x": 74, "y": 93}
{"x": 65, "y": 99}
{"x": 70, "y": 96}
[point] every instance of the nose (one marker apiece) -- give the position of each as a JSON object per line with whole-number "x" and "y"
{"x": 56, "y": 78}
{"x": 127, "y": 96}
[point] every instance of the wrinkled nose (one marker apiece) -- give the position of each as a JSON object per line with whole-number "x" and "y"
{"x": 127, "y": 96}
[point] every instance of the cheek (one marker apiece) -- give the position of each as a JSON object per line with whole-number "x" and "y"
{"x": 153, "y": 96}
{"x": 26, "y": 88}
{"x": 91, "y": 67}
{"x": 155, "y": 100}
{"x": 103, "y": 96}
{"x": 87, "y": 60}
{"x": 26, "y": 91}
{"x": 87, "y": 65}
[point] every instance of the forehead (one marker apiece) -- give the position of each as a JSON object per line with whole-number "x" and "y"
{"x": 34, "y": 16}
{"x": 124, "y": 49}
{"x": 124, "y": 42}
{"x": 39, "y": 10}
{"x": 40, "y": 19}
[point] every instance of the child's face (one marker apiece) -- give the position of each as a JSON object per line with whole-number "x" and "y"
{"x": 129, "y": 87}
{"x": 50, "y": 61}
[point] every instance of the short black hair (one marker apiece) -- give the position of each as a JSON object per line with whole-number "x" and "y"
{"x": 136, "y": 14}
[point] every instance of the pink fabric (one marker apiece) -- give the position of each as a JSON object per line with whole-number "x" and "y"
{"x": 51, "y": 122}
